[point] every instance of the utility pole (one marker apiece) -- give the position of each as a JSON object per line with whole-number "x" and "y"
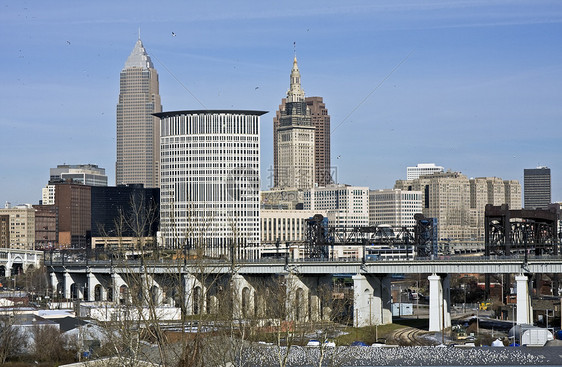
{"x": 442, "y": 320}
{"x": 477, "y": 322}
{"x": 417, "y": 300}
{"x": 400, "y": 301}
{"x": 525, "y": 244}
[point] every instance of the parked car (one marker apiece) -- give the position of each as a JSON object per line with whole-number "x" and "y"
{"x": 358, "y": 344}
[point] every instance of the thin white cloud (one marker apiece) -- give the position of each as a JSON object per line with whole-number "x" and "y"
{"x": 540, "y": 11}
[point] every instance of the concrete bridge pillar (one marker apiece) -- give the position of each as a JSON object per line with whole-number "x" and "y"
{"x": 297, "y": 298}
{"x": 321, "y": 298}
{"x": 260, "y": 306}
{"x": 308, "y": 297}
{"x": 103, "y": 293}
{"x": 54, "y": 285}
{"x": 243, "y": 294}
{"x": 371, "y": 300}
{"x": 98, "y": 282}
{"x": 28, "y": 260}
{"x": 67, "y": 284}
{"x": 116, "y": 283}
{"x": 152, "y": 292}
{"x": 9, "y": 265}
{"x": 524, "y": 309}
{"x": 188, "y": 284}
{"x": 90, "y": 289}
{"x": 439, "y": 302}
{"x": 80, "y": 288}
{"x": 194, "y": 295}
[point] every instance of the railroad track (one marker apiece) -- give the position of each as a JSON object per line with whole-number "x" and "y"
{"x": 410, "y": 336}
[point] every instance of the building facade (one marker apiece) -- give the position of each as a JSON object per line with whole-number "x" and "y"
{"x": 4, "y": 230}
{"x": 282, "y": 226}
{"x": 449, "y": 202}
{"x": 84, "y": 216}
{"x": 445, "y": 196}
{"x": 536, "y": 186}
{"x": 86, "y": 174}
{"x": 323, "y": 173}
{"x": 301, "y": 139}
{"x": 345, "y": 206}
{"x": 73, "y": 202}
{"x": 125, "y": 211}
{"x": 282, "y": 199}
{"x": 394, "y": 207}
{"x": 513, "y": 194}
{"x": 138, "y": 139}
{"x": 46, "y": 227}
{"x": 494, "y": 191}
{"x": 210, "y": 198}
{"x": 422, "y": 169}
{"x": 20, "y": 222}
{"x": 48, "y": 195}
{"x": 459, "y": 203}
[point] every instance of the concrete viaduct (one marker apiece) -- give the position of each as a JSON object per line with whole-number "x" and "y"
{"x": 14, "y": 261}
{"x": 198, "y": 286}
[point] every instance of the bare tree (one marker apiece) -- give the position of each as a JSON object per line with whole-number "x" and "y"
{"x": 35, "y": 282}
{"x": 48, "y": 344}
{"x": 12, "y": 339}
{"x": 215, "y": 326}
{"x": 137, "y": 332}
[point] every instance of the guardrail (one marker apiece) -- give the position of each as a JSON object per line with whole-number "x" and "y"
{"x": 65, "y": 259}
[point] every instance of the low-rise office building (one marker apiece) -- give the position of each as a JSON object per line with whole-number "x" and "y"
{"x": 394, "y": 207}
{"x": 345, "y": 205}
{"x": 18, "y": 227}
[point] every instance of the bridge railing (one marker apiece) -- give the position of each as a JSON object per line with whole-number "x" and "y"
{"x": 108, "y": 258}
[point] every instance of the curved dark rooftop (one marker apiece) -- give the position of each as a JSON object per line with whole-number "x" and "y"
{"x": 198, "y": 112}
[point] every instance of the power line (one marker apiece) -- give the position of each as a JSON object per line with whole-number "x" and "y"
{"x": 184, "y": 87}
{"x": 374, "y": 90}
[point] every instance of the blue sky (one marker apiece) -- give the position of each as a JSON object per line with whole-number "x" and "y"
{"x": 474, "y": 86}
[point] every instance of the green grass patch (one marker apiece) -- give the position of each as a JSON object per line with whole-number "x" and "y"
{"x": 368, "y": 334}
{"x": 373, "y": 334}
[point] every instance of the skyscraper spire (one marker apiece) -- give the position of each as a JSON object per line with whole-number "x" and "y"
{"x": 138, "y": 131}
{"x": 138, "y": 57}
{"x": 295, "y": 92}
{"x": 301, "y": 138}
{"x": 294, "y": 139}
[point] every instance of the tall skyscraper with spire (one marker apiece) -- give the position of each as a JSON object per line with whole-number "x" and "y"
{"x": 294, "y": 138}
{"x": 138, "y": 133}
{"x": 295, "y": 119}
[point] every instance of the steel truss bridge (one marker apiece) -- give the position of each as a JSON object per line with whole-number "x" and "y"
{"x": 509, "y": 232}
{"x": 321, "y": 237}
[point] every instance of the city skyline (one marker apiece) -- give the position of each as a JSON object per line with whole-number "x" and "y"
{"x": 471, "y": 86}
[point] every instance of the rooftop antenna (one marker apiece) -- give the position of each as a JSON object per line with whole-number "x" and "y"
{"x": 295, "y": 49}
{"x": 139, "y": 33}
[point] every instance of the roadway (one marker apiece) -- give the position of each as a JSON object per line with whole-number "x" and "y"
{"x": 444, "y": 265}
